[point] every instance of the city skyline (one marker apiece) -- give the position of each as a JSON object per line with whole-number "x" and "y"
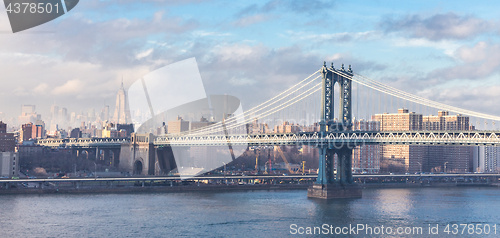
{"x": 264, "y": 118}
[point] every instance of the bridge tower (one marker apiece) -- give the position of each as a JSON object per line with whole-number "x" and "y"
{"x": 331, "y": 185}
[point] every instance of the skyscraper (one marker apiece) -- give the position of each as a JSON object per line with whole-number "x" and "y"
{"x": 28, "y": 109}
{"x": 54, "y": 112}
{"x": 122, "y": 112}
{"x": 28, "y": 114}
{"x": 105, "y": 113}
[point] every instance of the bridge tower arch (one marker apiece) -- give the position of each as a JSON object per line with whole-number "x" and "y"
{"x": 328, "y": 184}
{"x": 329, "y": 79}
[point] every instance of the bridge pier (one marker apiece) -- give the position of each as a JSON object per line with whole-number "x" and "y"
{"x": 330, "y": 185}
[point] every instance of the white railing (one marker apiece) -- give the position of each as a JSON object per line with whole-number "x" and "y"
{"x": 399, "y": 138}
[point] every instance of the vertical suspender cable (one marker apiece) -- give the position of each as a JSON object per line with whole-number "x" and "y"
{"x": 379, "y": 102}
{"x": 385, "y": 103}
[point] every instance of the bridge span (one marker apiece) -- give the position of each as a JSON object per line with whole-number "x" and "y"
{"x": 332, "y": 133}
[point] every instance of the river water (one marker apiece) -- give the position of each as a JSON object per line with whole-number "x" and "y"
{"x": 250, "y": 213}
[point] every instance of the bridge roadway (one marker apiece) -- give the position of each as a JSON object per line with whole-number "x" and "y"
{"x": 277, "y": 177}
{"x": 452, "y": 138}
{"x": 84, "y": 142}
{"x": 442, "y": 138}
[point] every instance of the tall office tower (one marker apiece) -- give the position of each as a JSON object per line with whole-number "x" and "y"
{"x": 91, "y": 115}
{"x": 63, "y": 115}
{"x": 105, "y": 113}
{"x": 28, "y": 114}
{"x": 28, "y": 109}
{"x": 54, "y": 112}
{"x": 122, "y": 112}
{"x": 73, "y": 118}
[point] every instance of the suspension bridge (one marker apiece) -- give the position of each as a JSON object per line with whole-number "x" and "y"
{"x": 305, "y": 114}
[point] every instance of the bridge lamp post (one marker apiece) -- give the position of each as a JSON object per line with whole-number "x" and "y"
{"x": 445, "y": 166}
{"x": 420, "y": 168}
{"x": 95, "y": 171}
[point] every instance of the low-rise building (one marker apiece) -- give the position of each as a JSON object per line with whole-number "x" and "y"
{"x": 9, "y": 162}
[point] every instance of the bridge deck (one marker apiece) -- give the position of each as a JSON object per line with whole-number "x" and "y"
{"x": 354, "y": 138}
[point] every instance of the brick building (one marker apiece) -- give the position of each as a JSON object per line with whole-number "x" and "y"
{"x": 7, "y": 140}
{"x": 414, "y": 158}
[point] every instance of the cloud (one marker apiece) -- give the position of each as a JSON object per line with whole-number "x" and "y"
{"x": 309, "y": 7}
{"x": 447, "y": 46}
{"x": 20, "y": 91}
{"x": 70, "y": 87}
{"x": 97, "y": 52}
{"x": 253, "y": 14}
{"x": 335, "y": 37}
{"x": 144, "y": 53}
{"x": 111, "y": 43}
{"x": 475, "y": 98}
{"x": 100, "y": 4}
{"x": 480, "y": 61}
{"x": 251, "y": 20}
{"x": 202, "y": 33}
{"x": 439, "y": 26}
{"x": 296, "y": 6}
{"x": 41, "y": 88}
{"x": 255, "y": 72}
{"x": 82, "y": 63}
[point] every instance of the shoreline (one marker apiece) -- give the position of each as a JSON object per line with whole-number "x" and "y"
{"x": 219, "y": 188}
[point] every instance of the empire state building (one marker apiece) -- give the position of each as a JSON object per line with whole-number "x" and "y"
{"x": 122, "y": 112}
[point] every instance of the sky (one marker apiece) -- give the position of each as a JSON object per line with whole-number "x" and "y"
{"x": 448, "y": 51}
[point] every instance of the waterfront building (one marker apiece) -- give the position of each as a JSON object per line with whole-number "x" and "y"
{"x": 455, "y": 159}
{"x": 443, "y": 121}
{"x": 401, "y": 121}
{"x": 414, "y": 158}
{"x": 9, "y": 162}
{"x": 400, "y": 158}
{"x": 7, "y": 140}
{"x": 366, "y": 158}
{"x": 486, "y": 159}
